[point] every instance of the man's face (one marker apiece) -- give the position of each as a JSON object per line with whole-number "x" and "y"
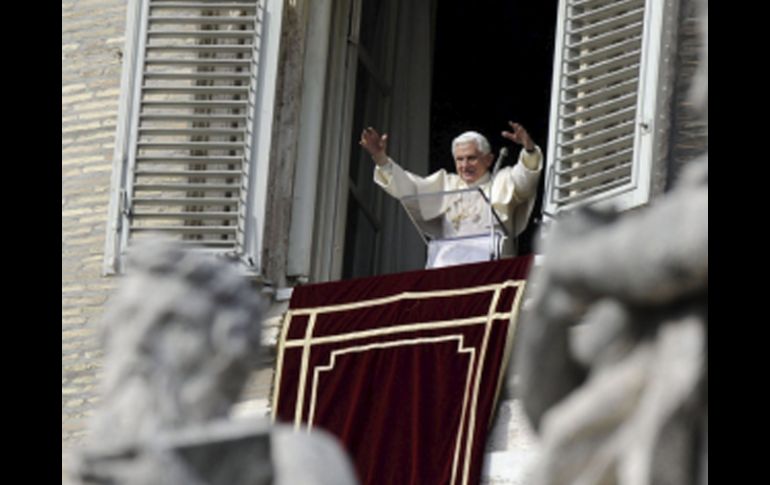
{"x": 471, "y": 164}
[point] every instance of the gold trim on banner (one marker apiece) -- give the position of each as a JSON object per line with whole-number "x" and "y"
{"x": 517, "y": 301}
{"x": 303, "y": 371}
{"x": 363, "y": 348}
{"x": 459, "y": 322}
{"x": 308, "y": 341}
{"x": 477, "y": 383}
{"x": 279, "y": 364}
{"x": 406, "y": 295}
{"x": 283, "y": 342}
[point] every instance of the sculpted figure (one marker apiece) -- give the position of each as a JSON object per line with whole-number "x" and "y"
{"x": 611, "y": 358}
{"x": 181, "y": 338}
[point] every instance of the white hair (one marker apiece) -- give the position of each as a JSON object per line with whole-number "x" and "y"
{"x": 481, "y": 142}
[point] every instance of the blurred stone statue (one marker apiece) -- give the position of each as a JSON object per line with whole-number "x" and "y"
{"x": 181, "y": 338}
{"x": 611, "y": 359}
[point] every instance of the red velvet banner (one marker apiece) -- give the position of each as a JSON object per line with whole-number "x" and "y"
{"x": 404, "y": 369}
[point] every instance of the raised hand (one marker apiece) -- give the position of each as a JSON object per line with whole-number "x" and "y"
{"x": 519, "y": 135}
{"x": 375, "y": 144}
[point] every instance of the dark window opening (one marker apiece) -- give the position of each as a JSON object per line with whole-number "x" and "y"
{"x": 492, "y": 63}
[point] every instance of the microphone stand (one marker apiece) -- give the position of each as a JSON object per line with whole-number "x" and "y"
{"x": 494, "y": 250}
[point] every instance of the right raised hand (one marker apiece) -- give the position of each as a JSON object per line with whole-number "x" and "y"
{"x": 375, "y": 144}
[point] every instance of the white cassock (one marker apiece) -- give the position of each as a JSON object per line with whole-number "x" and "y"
{"x": 512, "y": 196}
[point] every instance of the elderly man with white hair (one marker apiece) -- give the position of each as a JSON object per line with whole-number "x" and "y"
{"x": 511, "y": 190}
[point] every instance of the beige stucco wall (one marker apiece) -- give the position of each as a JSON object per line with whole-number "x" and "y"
{"x": 92, "y": 42}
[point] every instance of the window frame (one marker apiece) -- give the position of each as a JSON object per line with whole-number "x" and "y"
{"x": 650, "y": 121}
{"x": 262, "y": 91}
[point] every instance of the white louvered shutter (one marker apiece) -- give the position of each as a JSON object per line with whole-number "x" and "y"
{"x": 602, "y": 104}
{"x": 191, "y": 123}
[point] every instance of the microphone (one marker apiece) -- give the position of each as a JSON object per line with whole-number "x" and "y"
{"x": 503, "y": 154}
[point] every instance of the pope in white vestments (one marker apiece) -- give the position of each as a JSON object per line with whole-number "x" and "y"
{"x": 511, "y": 191}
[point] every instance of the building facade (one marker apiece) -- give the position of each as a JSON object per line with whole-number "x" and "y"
{"x": 233, "y": 126}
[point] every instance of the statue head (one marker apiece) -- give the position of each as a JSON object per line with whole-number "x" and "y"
{"x": 181, "y": 337}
